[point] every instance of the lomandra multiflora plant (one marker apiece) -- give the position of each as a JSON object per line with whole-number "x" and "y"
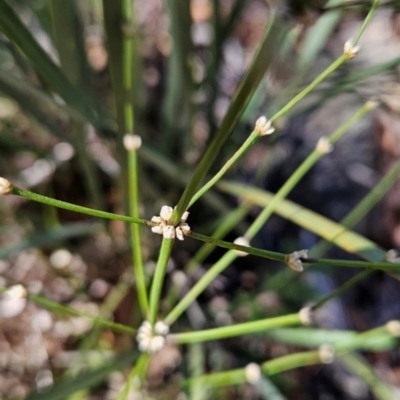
{"x": 160, "y": 322}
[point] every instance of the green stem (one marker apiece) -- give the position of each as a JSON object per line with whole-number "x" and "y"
{"x": 269, "y": 47}
{"x": 235, "y": 330}
{"x": 133, "y": 176}
{"x": 138, "y": 371}
{"x": 245, "y": 146}
{"x": 73, "y": 207}
{"x": 305, "y": 92}
{"x": 307, "y": 164}
{"x": 341, "y": 289}
{"x": 156, "y": 287}
{"x": 273, "y": 367}
{"x": 138, "y": 268}
{"x": 60, "y": 308}
{"x": 367, "y": 20}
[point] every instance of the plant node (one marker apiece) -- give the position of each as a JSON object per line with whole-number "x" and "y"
{"x": 241, "y": 241}
{"x": 264, "y": 126}
{"x": 152, "y": 340}
{"x": 5, "y": 186}
{"x": 305, "y": 316}
{"x": 252, "y": 373}
{"x": 326, "y": 354}
{"x": 350, "y": 50}
{"x": 294, "y": 260}
{"x": 164, "y": 227}
{"x": 324, "y": 146}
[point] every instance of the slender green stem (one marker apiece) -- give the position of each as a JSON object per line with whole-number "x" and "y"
{"x": 138, "y": 268}
{"x": 198, "y": 288}
{"x": 273, "y": 367}
{"x": 341, "y": 289}
{"x": 307, "y": 164}
{"x": 359, "y": 367}
{"x": 305, "y": 92}
{"x": 245, "y": 146}
{"x": 136, "y": 372}
{"x": 156, "y": 286}
{"x": 133, "y": 176}
{"x": 367, "y": 20}
{"x": 269, "y": 47}
{"x": 235, "y": 330}
{"x": 79, "y": 209}
{"x": 60, "y": 308}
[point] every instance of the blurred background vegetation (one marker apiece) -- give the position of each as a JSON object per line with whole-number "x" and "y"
{"x": 61, "y": 126}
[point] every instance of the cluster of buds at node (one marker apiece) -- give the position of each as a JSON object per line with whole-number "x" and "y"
{"x": 165, "y": 228}
{"x": 264, "y": 126}
{"x": 150, "y": 340}
{"x": 350, "y": 50}
{"x": 294, "y": 260}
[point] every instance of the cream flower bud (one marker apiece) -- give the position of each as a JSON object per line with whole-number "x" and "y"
{"x": 5, "y": 186}
{"x": 252, "y": 373}
{"x": 324, "y": 146}
{"x": 305, "y": 316}
{"x": 132, "y": 142}
{"x": 293, "y": 260}
{"x": 166, "y": 212}
{"x": 169, "y": 232}
{"x": 392, "y": 256}
{"x": 350, "y": 50}
{"x": 241, "y": 241}
{"x": 161, "y": 328}
{"x": 264, "y": 126}
{"x": 326, "y": 354}
{"x": 393, "y": 328}
{"x": 185, "y": 216}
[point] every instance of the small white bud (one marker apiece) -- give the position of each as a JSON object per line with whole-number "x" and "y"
{"x": 185, "y": 216}
{"x": 157, "y": 219}
{"x": 166, "y": 212}
{"x": 132, "y": 142}
{"x": 293, "y": 260}
{"x": 393, "y": 328}
{"x": 156, "y": 344}
{"x": 324, "y": 146}
{"x": 326, "y": 354}
{"x": 305, "y": 316}
{"x": 159, "y": 229}
{"x": 241, "y": 241}
{"x": 184, "y": 227}
{"x": 169, "y": 232}
{"x": 161, "y": 328}
{"x": 392, "y": 256}
{"x": 350, "y": 50}
{"x": 252, "y": 373}
{"x": 5, "y": 186}
{"x": 178, "y": 233}
{"x": 264, "y": 126}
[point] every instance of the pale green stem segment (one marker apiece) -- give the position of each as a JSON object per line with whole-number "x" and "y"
{"x": 225, "y": 261}
{"x": 359, "y": 367}
{"x": 79, "y": 209}
{"x": 367, "y": 20}
{"x": 133, "y": 176}
{"x": 138, "y": 268}
{"x": 245, "y": 146}
{"x": 307, "y": 164}
{"x": 138, "y": 371}
{"x": 273, "y": 367}
{"x": 156, "y": 286}
{"x": 235, "y": 330}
